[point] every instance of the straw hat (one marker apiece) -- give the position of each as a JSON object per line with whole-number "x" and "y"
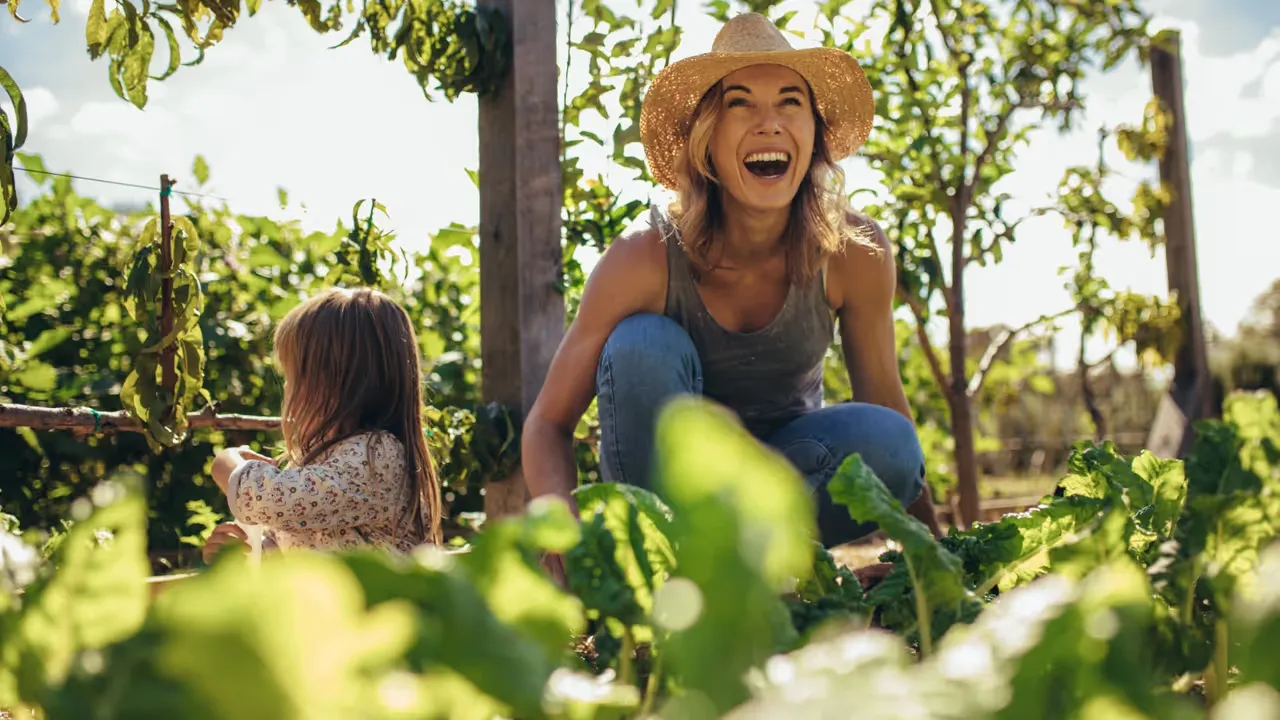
{"x": 840, "y": 90}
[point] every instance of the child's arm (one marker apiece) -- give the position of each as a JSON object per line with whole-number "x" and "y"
{"x": 229, "y": 460}
{"x": 338, "y": 492}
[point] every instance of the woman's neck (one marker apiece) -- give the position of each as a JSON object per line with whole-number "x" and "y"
{"x": 750, "y": 236}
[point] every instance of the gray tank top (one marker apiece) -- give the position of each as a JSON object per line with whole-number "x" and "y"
{"x": 768, "y": 377}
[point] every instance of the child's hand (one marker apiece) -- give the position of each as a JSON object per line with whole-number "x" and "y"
{"x": 246, "y": 454}
{"x": 221, "y": 535}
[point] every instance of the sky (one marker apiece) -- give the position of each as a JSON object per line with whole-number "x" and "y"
{"x": 272, "y": 106}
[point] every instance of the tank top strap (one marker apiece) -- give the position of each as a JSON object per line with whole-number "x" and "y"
{"x": 681, "y": 290}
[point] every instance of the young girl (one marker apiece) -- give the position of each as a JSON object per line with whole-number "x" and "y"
{"x": 359, "y": 472}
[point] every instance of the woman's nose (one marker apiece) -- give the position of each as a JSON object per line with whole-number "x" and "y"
{"x": 769, "y": 125}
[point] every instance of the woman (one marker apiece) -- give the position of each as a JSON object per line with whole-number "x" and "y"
{"x": 734, "y": 290}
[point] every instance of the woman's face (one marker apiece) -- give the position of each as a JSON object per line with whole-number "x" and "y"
{"x": 763, "y": 142}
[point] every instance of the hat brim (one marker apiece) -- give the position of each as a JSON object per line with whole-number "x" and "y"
{"x": 840, "y": 90}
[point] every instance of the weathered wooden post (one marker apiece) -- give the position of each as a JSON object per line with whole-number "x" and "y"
{"x": 1190, "y": 396}
{"x": 522, "y": 313}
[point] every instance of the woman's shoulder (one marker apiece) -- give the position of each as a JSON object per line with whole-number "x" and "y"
{"x": 647, "y": 235}
{"x": 866, "y": 234}
{"x": 637, "y": 256}
{"x": 864, "y": 263}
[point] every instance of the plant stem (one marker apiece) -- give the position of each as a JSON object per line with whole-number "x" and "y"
{"x": 626, "y": 656}
{"x": 1215, "y": 680}
{"x": 654, "y": 684}
{"x": 922, "y": 611}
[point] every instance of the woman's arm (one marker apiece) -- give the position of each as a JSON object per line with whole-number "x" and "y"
{"x": 630, "y": 278}
{"x": 864, "y": 285}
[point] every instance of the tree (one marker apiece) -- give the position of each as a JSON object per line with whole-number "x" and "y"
{"x": 964, "y": 86}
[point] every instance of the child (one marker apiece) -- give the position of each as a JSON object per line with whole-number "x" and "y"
{"x": 359, "y": 470}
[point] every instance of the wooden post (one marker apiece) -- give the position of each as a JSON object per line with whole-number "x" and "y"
{"x": 1190, "y": 396}
{"x": 168, "y": 355}
{"x": 522, "y": 313}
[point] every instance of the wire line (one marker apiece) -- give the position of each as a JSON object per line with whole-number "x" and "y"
{"x": 115, "y": 182}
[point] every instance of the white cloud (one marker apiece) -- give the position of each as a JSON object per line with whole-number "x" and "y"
{"x": 41, "y": 104}
{"x": 1215, "y": 98}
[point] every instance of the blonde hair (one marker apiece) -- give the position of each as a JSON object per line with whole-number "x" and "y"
{"x": 819, "y": 223}
{"x": 350, "y": 363}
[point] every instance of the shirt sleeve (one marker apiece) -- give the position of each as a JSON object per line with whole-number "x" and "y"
{"x": 336, "y": 492}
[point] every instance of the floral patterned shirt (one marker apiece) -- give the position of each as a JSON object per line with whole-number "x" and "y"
{"x": 354, "y": 495}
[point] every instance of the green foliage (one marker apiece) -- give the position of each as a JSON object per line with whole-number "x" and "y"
{"x": 463, "y": 49}
{"x": 1092, "y": 587}
{"x": 994, "y": 62}
{"x": 163, "y": 295}
{"x": 13, "y": 133}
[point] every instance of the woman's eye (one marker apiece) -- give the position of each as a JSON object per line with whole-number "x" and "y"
{"x": 737, "y": 102}
{"x": 791, "y": 101}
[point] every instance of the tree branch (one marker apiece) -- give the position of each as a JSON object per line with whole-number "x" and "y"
{"x": 926, "y": 119}
{"x": 88, "y": 421}
{"x": 996, "y": 347}
{"x": 941, "y": 274}
{"x": 959, "y": 212}
{"x": 993, "y": 137}
{"x": 942, "y": 31}
{"x": 931, "y": 355}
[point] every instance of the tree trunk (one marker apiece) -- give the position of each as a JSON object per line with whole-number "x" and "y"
{"x": 1091, "y": 400}
{"x": 966, "y": 456}
{"x": 961, "y": 408}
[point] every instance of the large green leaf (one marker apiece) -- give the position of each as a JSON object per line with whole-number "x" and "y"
{"x": 936, "y": 574}
{"x": 93, "y": 593}
{"x": 743, "y": 523}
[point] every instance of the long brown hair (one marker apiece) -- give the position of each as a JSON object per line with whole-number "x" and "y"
{"x": 818, "y": 225}
{"x": 350, "y": 363}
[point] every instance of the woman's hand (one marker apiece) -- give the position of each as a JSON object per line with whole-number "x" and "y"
{"x": 871, "y": 575}
{"x": 221, "y": 535}
{"x": 553, "y": 563}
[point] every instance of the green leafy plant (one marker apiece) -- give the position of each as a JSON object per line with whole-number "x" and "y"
{"x": 695, "y": 580}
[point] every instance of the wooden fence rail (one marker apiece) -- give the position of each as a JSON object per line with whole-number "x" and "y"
{"x": 90, "y": 421}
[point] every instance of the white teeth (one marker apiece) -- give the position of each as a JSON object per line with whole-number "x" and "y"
{"x": 768, "y": 157}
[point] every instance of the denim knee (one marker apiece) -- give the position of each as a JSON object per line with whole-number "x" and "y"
{"x": 819, "y": 442}
{"x": 647, "y": 361}
{"x": 900, "y": 464}
{"x": 648, "y": 347}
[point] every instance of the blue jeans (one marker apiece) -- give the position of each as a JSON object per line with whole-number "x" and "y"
{"x": 649, "y": 359}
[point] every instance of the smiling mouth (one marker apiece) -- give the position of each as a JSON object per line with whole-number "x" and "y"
{"x": 768, "y": 164}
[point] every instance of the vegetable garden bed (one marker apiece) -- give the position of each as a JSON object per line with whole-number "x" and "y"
{"x": 1146, "y": 581}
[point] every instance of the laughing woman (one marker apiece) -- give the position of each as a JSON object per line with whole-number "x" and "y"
{"x": 734, "y": 290}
